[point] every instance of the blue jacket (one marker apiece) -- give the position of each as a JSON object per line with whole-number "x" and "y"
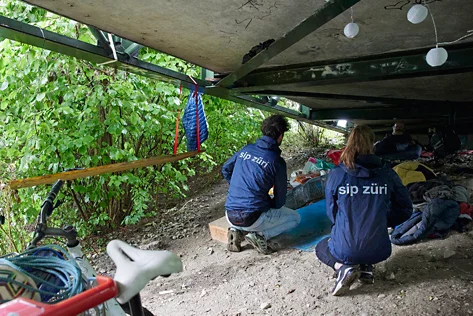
{"x": 436, "y": 216}
{"x": 362, "y": 203}
{"x": 252, "y": 172}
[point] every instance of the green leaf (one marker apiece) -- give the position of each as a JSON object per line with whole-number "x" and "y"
{"x": 4, "y": 85}
{"x": 40, "y": 96}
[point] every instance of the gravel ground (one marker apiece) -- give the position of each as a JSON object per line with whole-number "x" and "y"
{"x": 434, "y": 277}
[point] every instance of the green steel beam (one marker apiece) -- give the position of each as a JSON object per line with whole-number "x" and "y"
{"x": 387, "y": 113}
{"x": 462, "y": 127}
{"x": 360, "y": 99}
{"x": 330, "y": 10}
{"x": 206, "y": 74}
{"x": 403, "y": 64}
{"x": 102, "y": 41}
{"x": 32, "y": 35}
{"x": 132, "y": 48}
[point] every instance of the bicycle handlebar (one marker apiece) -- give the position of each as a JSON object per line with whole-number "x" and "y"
{"x": 47, "y": 206}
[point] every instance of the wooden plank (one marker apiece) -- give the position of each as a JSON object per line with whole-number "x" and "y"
{"x": 94, "y": 171}
{"x": 219, "y": 229}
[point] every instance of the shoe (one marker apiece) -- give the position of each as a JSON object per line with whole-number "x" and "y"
{"x": 366, "y": 273}
{"x": 234, "y": 239}
{"x": 346, "y": 275}
{"x": 274, "y": 246}
{"x": 259, "y": 243}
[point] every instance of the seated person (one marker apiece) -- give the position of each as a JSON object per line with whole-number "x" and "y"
{"x": 364, "y": 197}
{"x": 252, "y": 172}
{"x": 398, "y": 145}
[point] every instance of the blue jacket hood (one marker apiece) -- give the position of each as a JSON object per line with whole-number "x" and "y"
{"x": 366, "y": 166}
{"x": 269, "y": 143}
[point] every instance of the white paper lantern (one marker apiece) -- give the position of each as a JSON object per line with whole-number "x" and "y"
{"x": 417, "y": 14}
{"x": 437, "y": 56}
{"x": 351, "y": 30}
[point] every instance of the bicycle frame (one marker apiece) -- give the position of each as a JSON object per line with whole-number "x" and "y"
{"x": 111, "y": 307}
{"x": 135, "y": 269}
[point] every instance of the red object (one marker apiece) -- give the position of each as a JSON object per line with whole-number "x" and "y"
{"x": 176, "y": 138}
{"x": 426, "y": 154}
{"x": 335, "y": 155}
{"x": 466, "y": 209}
{"x": 466, "y": 152}
{"x": 95, "y": 296}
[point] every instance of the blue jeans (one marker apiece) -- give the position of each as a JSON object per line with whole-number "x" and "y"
{"x": 273, "y": 222}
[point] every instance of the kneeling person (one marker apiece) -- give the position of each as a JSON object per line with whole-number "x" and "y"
{"x": 364, "y": 197}
{"x": 252, "y": 172}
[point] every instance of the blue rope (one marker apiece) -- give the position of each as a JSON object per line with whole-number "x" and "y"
{"x": 57, "y": 274}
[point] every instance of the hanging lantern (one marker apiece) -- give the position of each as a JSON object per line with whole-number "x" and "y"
{"x": 437, "y": 56}
{"x": 351, "y": 30}
{"x": 417, "y": 14}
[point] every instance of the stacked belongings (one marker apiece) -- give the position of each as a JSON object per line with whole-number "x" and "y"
{"x": 307, "y": 185}
{"x": 413, "y": 171}
{"x": 437, "y": 205}
{"x": 312, "y": 169}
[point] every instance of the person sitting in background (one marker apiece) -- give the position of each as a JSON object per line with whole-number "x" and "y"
{"x": 251, "y": 173}
{"x": 398, "y": 145}
{"x": 364, "y": 197}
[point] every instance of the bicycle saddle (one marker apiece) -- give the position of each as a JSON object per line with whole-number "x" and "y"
{"x": 136, "y": 267}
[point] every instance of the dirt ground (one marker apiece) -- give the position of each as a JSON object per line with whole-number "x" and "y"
{"x": 434, "y": 277}
{"x": 430, "y": 278}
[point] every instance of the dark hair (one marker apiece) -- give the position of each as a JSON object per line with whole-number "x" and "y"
{"x": 274, "y": 126}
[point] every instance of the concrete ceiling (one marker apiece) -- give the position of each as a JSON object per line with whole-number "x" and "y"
{"x": 215, "y": 34}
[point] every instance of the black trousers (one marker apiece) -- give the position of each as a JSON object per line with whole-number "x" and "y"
{"x": 325, "y": 256}
{"x": 323, "y": 253}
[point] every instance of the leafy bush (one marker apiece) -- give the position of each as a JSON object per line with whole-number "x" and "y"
{"x": 305, "y": 135}
{"x": 60, "y": 113}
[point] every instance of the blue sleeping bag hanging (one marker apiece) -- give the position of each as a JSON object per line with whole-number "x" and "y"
{"x": 189, "y": 120}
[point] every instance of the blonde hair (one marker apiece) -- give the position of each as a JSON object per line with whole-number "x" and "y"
{"x": 360, "y": 142}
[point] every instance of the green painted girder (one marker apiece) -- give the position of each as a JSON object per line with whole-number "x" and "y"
{"x": 102, "y": 41}
{"x": 360, "y": 99}
{"x": 32, "y": 35}
{"x": 403, "y": 64}
{"x": 330, "y": 10}
{"x": 388, "y": 113}
{"x": 461, "y": 127}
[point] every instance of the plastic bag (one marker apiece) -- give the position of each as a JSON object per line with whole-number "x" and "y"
{"x": 323, "y": 165}
{"x": 335, "y": 155}
{"x": 310, "y": 166}
{"x": 189, "y": 120}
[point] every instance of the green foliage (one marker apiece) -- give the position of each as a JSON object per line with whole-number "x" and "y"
{"x": 306, "y": 135}
{"x": 12, "y": 232}
{"x": 60, "y": 113}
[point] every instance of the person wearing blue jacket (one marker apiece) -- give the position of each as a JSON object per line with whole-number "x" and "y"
{"x": 364, "y": 197}
{"x": 251, "y": 173}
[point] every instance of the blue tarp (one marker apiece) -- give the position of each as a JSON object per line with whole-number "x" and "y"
{"x": 314, "y": 226}
{"x": 190, "y": 123}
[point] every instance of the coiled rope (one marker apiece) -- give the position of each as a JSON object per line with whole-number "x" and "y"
{"x": 52, "y": 268}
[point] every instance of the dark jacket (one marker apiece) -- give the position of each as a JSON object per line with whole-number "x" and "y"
{"x": 437, "y": 216}
{"x": 362, "y": 203}
{"x": 252, "y": 172}
{"x": 392, "y": 144}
